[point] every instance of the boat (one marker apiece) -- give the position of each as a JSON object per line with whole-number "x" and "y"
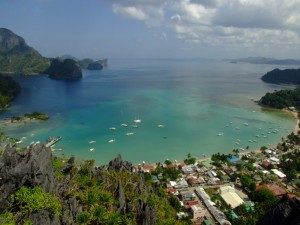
{"x": 92, "y": 149}
{"x": 135, "y": 126}
{"x": 246, "y": 124}
{"x": 160, "y": 126}
{"x": 124, "y": 125}
{"x": 52, "y": 140}
{"x": 112, "y": 128}
{"x": 137, "y": 120}
{"x": 237, "y": 143}
{"x": 129, "y": 134}
{"x": 92, "y": 142}
{"x": 111, "y": 141}
{"x": 220, "y": 134}
{"x": 19, "y": 142}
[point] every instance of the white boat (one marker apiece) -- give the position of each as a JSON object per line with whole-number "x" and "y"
{"x": 160, "y": 126}
{"x": 112, "y": 128}
{"x": 137, "y": 120}
{"x": 111, "y": 141}
{"x": 129, "y": 134}
{"x": 19, "y": 142}
{"x": 238, "y": 140}
{"x": 220, "y": 134}
{"x": 92, "y": 149}
{"x": 124, "y": 125}
{"x": 92, "y": 142}
{"x": 135, "y": 126}
{"x": 246, "y": 124}
{"x": 237, "y": 143}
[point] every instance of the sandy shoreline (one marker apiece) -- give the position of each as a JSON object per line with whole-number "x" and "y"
{"x": 295, "y": 130}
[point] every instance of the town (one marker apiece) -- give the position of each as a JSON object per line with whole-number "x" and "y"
{"x": 236, "y": 188}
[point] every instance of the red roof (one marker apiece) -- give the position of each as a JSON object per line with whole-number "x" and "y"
{"x": 278, "y": 191}
{"x": 266, "y": 164}
{"x": 189, "y": 204}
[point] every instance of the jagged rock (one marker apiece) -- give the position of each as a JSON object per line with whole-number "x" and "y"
{"x": 145, "y": 214}
{"x": 119, "y": 165}
{"x": 33, "y": 167}
{"x": 43, "y": 217}
{"x": 69, "y": 166}
{"x": 64, "y": 70}
{"x": 286, "y": 212}
{"x": 70, "y": 211}
{"x": 121, "y": 198}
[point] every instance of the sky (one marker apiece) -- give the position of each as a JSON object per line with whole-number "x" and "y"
{"x": 156, "y": 28}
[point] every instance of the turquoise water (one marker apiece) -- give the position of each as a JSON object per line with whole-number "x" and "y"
{"x": 195, "y": 100}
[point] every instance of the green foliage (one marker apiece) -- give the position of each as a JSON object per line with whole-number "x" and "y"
{"x": 190, "y": 160}
{"x": 282, "y": 99}
{"x": 8, "y": 90}
{"x": 31, "y": 200}
{"x": 37, "y": 115}
{"x": 7, "y": 219}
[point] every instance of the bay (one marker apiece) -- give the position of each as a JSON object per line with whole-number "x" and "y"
{"x": 206, "y": 106}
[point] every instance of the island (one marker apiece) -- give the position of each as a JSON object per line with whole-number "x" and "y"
{"x": 9, "y": 89}
{"x": 287, "y": 76}
{"x": 67, "y": 69}
{"x": 282, "y": 99}
{"x": 27, "y": 117}
{"x": 17, "y": 57}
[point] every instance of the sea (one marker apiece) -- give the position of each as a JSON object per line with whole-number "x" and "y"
{"x": 202, "y": 106}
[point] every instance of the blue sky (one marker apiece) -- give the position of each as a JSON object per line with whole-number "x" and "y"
{"x": 156, "y": 28}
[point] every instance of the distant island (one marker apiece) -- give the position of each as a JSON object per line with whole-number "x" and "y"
{"x": 282, "y": 99}
{"x": 67, "y": 69}
{"x": 17, "y": 57}
{"x": 263, "y": 60}
{"x": 287, "y": 76}
{"x": 9, "y": 89}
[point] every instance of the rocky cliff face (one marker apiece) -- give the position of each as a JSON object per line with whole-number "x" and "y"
{"x": 67, "y": 69}
{"x": 286, "y": 212}
{"x": 17, "y": 56}
{"x": 34, "y": 167}
{"x": 31, "y": 168}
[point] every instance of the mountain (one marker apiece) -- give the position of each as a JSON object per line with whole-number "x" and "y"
{"x": 39, "y": 188}
{"x": 85, "y": 62}
{"x": 263, "y": 60}
{"x": 8, "y": 91}
{"x": 286, "y": 212}
{"x": 67, "y": 69}
{"x": 17, "y": 56}
{"x": 277, "y": 76}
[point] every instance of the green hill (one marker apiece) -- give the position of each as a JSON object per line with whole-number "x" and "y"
{"x": 17, "y": 56}
{"x": 8, "y": 90}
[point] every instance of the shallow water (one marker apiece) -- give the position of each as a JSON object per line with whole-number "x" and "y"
{"x": 195, "y": 100}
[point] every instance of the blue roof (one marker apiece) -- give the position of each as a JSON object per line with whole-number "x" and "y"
{"x": 234, "y": 159}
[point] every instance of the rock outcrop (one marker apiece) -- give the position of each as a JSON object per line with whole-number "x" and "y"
{"x": 118, "y": 164}
{"x": 17, "y": 56}
{"x": 30, "y": 168}
{"x": 286, "y": 212}
{"x": 146, "y": 214}
{"x": 287, "y": 76}
{"x": 67, "y": 69}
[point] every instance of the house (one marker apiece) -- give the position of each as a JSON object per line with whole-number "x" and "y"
{"x": 234, "y": 159}
{"x": 172, "y": 191}
{"x": 280, "y": 174}
{"x": 278, "y": 191}
{"x": 181, "y": 184}
{"x": 189, "y": 204}
{"x": 195, "y": 181}
{"x": 225, "y": 178}
{"x": 187, "y": 169}
{"x": 147, "y": 167}
{"x": 198, "y": 212}
{"x": 187, "y": 195}
{"x": 266, "y": 164}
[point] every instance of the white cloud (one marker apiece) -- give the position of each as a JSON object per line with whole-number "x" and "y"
{"x": 130, "y": 11}
{"x": 247, "y": 23}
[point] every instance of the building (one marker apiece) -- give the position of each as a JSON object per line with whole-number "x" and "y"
{"x": 234, "y": 159}
{"x": 280, "y": 174}
{"x": 278, "y": 191}
{"x": 230, "y": 197}
{"x": 198, "y": 212}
